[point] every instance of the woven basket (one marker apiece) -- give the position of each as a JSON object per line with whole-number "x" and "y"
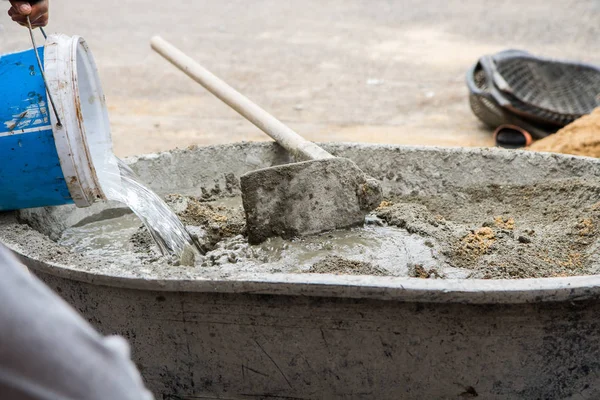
{"x": 494, "y": 108}
{"x": 555, "y": 90}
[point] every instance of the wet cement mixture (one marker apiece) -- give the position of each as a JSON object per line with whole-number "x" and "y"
{"x": 219, "y": 228}
{"x": 341, "y": 265}
{"x": 491, "y": 232}
{"x": 509, "y": 232}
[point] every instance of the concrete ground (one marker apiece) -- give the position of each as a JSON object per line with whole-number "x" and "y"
{"x": 337, "y": 70}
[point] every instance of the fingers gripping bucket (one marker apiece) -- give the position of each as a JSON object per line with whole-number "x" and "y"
{"x": 43, "y": 163}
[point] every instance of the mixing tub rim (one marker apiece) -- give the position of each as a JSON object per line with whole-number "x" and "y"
{"x": 404, "y": 289}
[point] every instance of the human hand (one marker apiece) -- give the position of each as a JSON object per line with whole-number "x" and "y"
{"x": 37, "y": 10}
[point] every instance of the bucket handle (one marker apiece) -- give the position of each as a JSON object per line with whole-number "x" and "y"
{"x": 42, "y": 68}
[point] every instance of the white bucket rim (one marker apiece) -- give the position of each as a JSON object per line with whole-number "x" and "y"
{"x": 65, "y": 58}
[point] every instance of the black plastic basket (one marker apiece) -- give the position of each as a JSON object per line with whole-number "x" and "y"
{"x": 495, "y": 109}
{"x": 563, "y": 90}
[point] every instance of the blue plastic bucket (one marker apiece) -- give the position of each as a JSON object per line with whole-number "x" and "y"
{"x": 43, "y": 163}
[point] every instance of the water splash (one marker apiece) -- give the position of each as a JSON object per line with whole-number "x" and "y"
{"x": 167, "y": 230}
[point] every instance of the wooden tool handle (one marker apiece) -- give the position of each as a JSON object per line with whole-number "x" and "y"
{"x": 287, "y": 138}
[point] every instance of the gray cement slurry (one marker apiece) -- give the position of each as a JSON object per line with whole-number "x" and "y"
{"x": 122, "y": 239}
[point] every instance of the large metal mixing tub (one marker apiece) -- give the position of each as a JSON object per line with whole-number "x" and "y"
{"x": 299, "y": 336}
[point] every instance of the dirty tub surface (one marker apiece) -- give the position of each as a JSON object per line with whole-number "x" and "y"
{"x": 308, "y": 336}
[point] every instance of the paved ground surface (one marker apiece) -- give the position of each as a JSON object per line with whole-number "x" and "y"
{"x": 336, "y": 70}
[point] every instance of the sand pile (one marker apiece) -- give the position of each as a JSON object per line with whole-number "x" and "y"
{"x": 581, "y": 137}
